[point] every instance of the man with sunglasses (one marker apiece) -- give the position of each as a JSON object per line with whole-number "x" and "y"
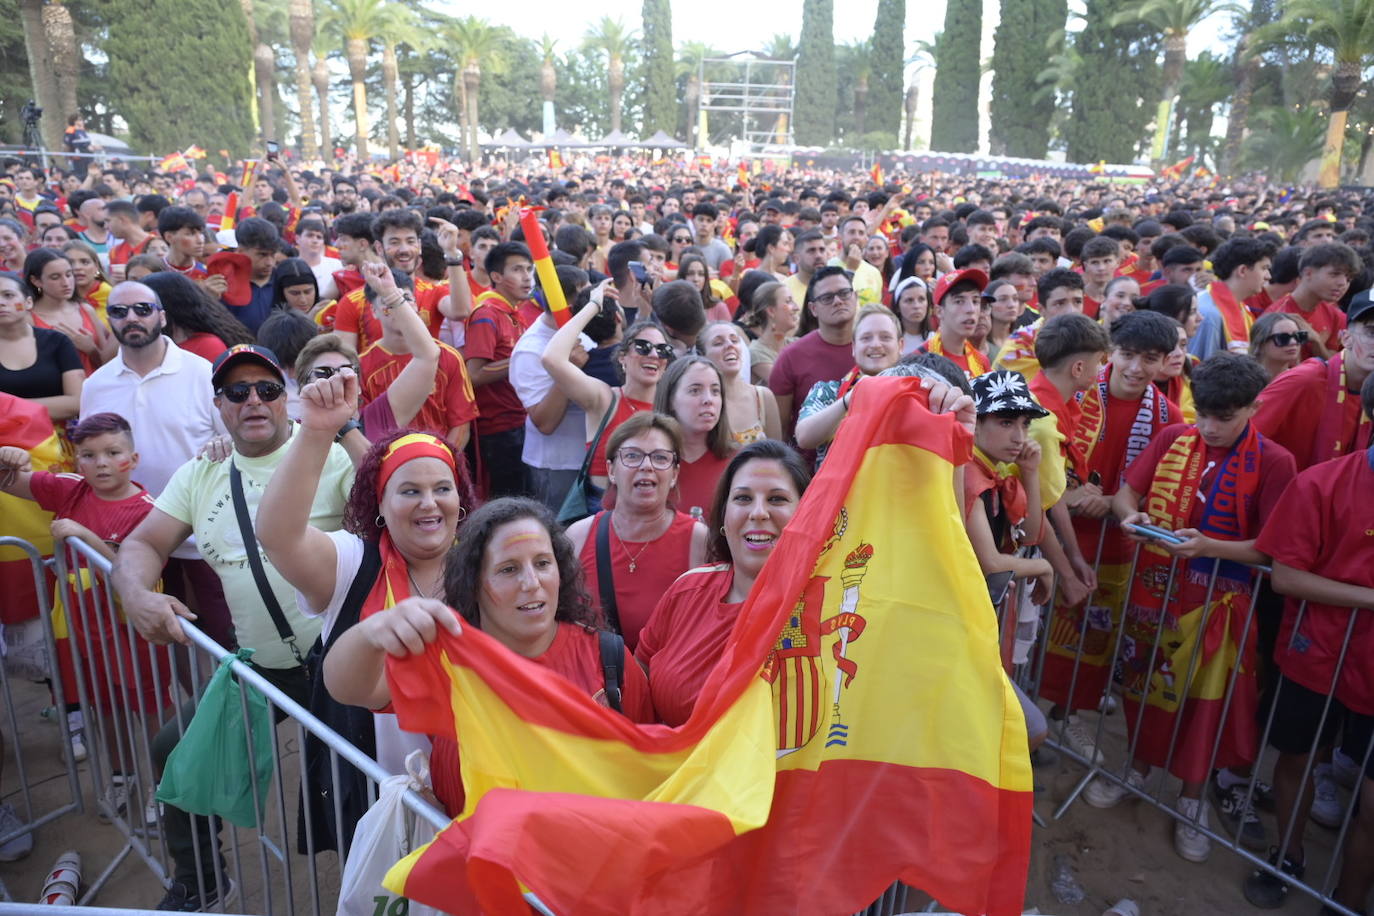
{"x": 1313, "y": 409}
{"x": 200, "y": 499}
{"x": 825, "y": 353}
{"x": 166, "y": 395}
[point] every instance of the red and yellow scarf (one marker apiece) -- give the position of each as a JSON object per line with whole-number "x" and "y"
{"x": 983, "y": 474}
{"x": 1066, "y": 414}
{"x": 1152, "y": 416}
{"x": 1234, "y": 316}
{"x": 976, "y": 360}
{"x": 1343, "y": 426}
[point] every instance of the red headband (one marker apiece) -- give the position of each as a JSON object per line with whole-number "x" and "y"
{"x": 408, "y": 448}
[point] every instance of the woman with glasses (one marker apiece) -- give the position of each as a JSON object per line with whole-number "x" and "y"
{"x": 56, "y": 307}
{"x": 196, "y": 321}
{"x": 679, "y": 240}
{"x": 642, "y": 543}
{"x": 1276, "y": 341}
{"x": 643, "y": 356}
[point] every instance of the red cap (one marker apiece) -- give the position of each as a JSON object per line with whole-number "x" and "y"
{"x": 238, "y": 270}
{"x": 954, "y": 277}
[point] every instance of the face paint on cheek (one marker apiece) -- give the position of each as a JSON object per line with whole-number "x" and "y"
{"x": 123, "y": 465}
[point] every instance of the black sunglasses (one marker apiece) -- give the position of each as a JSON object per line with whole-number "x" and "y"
{"x": 267, "y": 391}
{"x": 326, "y": 371}
{"x": 141, "y": 309}
{"x": 1285, "y": 339}
{"x": 645, "y": 348}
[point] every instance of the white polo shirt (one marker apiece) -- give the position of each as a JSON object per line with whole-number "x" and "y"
{"x": 171, "y": 409}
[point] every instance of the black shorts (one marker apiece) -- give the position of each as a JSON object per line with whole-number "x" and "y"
{"x": 1297, "y": 715}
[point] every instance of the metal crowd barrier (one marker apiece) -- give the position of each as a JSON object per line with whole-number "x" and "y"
{"x": 1319, "y": 882}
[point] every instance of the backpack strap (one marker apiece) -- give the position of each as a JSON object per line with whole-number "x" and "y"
{"x": 605, "y": 579}
{"x": 351, "y": 609}
{"x": 255, "y": 564}
{"x": 612, "y": 666}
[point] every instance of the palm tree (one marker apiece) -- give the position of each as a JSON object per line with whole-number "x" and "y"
{"x": 926, "y": 56}
{"x": 781, "y": 48}
{"x": 477, "y": 44}
{"x": 41, "y": 73}
{"x": 357, "y": 23}
{"x": 264, "y": 66}
{"x": 66, "y": 57}
{"x": 302, "y": 22}
{"x": 548, "y": 78}
{"x": 1245, "y": 65}
{"x": 1206, "y": 84}
{"x": 691, "y": 56}
{"x": 1346, "y": 29}
{"x": 1174, "y": 19}
{"x": 319, "y": 75}
{"x": 611, "y": 36}
{"x": 858, "y": 60}
{"x": 399, "y": 27}
{"x": 1285, "y": 141}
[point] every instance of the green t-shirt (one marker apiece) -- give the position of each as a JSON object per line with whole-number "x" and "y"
{"x": 198, "y": 495}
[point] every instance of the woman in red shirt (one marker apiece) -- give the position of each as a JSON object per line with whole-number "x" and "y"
{"x": 758, "y": 495}
{"x": 693, "y": 394}
{"x": 514, "y": 576}
{"x": 196, "y": 322}
{"x": 649, "y": 544}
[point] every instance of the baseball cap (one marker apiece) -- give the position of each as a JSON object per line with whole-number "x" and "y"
{"x": 1005, "y": 391}
{"x": 1361, "y": 307}
{"x": 244, "y": 353}
{"x": 955, "y": 277}
{"x": 772, "y": 204}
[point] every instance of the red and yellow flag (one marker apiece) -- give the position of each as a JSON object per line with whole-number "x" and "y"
{"x": 857, "y": 729}
{"x": 24, "y": 424}
{"x": 173, "y": 162}
{"x": 742, "y": 176}
{"x": 876, "y": 173}
{"x": 544, "y": 266}
{"x": 555, "y": 160}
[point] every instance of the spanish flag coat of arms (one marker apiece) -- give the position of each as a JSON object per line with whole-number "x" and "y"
{"x": 857, "y": 729}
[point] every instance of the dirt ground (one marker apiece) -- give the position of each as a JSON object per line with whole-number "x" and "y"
{"x": 1126, "y": 851}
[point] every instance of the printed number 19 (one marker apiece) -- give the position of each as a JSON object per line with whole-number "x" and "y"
{"x": 400, "y": 906}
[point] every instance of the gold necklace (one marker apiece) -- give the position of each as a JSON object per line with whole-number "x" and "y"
{"x": 634, "y": 559}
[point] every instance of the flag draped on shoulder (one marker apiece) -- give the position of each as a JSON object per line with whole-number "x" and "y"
{"x": 858, "y": 728}
{"x": 26, "y": 425}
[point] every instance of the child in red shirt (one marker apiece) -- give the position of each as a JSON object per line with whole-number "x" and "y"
{"x": 99, "y": 506}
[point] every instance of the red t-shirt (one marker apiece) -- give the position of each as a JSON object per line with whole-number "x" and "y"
{"x": 121, "y": 253}
{"x": 682, "y": 641}
{"x": 196, "y": 271}
{"x": 1276, "y": 471}
{"x": 70, "y": 496}
{"x": 1326, "y": 319}
{"x": 493, "y": 329}
{"x": 1322, "y": 525}
{"x": 1259, "y": 303}
{"x": 1108, "y": 457}
{"x": 1091, "y": 306}
{"x": 624, "y": 409}
{"x": 354, "y": 312}
{"x": 696, "y": 481}
{"x": 450, "y": 403}
{"x": 658, "y": 563}
{"x": 806, "y": 362}
{"x": 1291, "y": 409}
{"x": 205, "y": 345}
{"x": 575, "y": 654}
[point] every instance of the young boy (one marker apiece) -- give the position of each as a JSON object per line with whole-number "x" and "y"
{"x": 1319, "y": 537}
{"x": 99, "y": 505}
{"x": 1059, "y": 292}
{"x": 959, "y": 298}
{"x": 1212, "y": 483}
{"x": 1101, "y": 256}
{"x": 1324, "y": 274}
{"x": 1118, "y": 417}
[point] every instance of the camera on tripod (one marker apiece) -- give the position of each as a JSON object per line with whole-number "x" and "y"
{"x": 30, "y": 113}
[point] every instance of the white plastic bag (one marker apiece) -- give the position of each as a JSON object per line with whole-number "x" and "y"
{"x": 379, "y": 842}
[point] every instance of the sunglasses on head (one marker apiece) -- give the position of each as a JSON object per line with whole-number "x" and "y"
{"x": 267, "y": 391}
{"x": 647, "y": 348}
{"x": 141, "y": 309}
{"x": 1286, "y": 339}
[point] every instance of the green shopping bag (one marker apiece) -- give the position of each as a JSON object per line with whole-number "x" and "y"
{"x": 211, "y": 770}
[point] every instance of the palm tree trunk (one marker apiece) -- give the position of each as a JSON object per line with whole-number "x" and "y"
{"x": 1175, "y": 56}
{"x": 408, "y": 82}
{"x": 1330, "y": 174}
{"x": 393, "y": 137}
{"x": 472, "y": 79}
{"x": 913, "y": 97}
{"x": 1246, "y": 67}
{"x": 66, "y": 59}
{"x": 264, "y": 71}
{"x": 460, "y": 92}
{"x": 320, "y": 77}
{"x": 302, "y": 23}
{"x": 41, "y": 74}
{"x": 357, "y": 67}
{"x": 860, "y": 105}
{"x": 617, "y": 84}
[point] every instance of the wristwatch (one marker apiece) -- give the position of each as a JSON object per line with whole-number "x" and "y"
{"x": 347, "y": 428}
{"x": 453, "y": 262}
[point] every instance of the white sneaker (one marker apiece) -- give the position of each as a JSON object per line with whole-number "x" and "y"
{"x": 20, "y": 846}
{"x": 1108, "y": 704}
{"x": 1327, "y": 809}
{"x": 1189, "y": 842}
{"x": 1078, "y": 739}
{"x": 1345, "y": 770}
{"x": 76, "y": 722}
{"x": 1107, "y": 793}
{"x": 117, "y": 797}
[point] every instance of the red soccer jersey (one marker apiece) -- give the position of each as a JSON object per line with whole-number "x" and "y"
{"x": 1300, "y": 411}
{"x": 196, "y": 271}
{"x": 121, "y": 253}
{"x": 696, "y": 481}
{"x": 1321, "y": 525}
{"x": 449, "y": 404}
{"x": 575, "y": 654}
{"x": 657, "y": 564}
{"x": 70, "y": 496}
{"x": 681, "y": 643}
{"x": 354, "y": 313}
{"x": 1326, "y": 319}
{"x": 493, "y": 329}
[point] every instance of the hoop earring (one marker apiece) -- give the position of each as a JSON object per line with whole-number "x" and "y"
{"x": 722, "y": 531}
{"x": 380, "y": 522}
{"x": 462, "y": 513}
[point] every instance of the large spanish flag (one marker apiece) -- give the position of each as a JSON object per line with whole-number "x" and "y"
{"x": 26, "y": 425}
{"x": 857, "y": 729}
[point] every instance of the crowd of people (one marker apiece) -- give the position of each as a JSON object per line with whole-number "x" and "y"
{"x": 334, "y": 404}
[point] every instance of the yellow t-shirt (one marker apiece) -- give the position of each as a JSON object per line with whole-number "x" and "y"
{"x": 1054, "y": 473}
{"x": 198, "y": 495}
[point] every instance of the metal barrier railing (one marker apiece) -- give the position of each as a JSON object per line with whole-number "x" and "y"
{"x": 1136, "y": 665}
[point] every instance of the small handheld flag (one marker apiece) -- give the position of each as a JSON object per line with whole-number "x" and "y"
{"x": 876, "y": 173}
{"x": 175, "y": 162}
{"x": 543, "y": 265}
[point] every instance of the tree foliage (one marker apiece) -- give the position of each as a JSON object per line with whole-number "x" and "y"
{"x": 166, "y": 100}
{"x": 885, "y": 86}
{"x": 954, "y": 118}
{"x": 1114, "y": 97}
{"x": 1020, "y": 113}
{"x": 660, "y": 101}
{"x": 816, "y": 79}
